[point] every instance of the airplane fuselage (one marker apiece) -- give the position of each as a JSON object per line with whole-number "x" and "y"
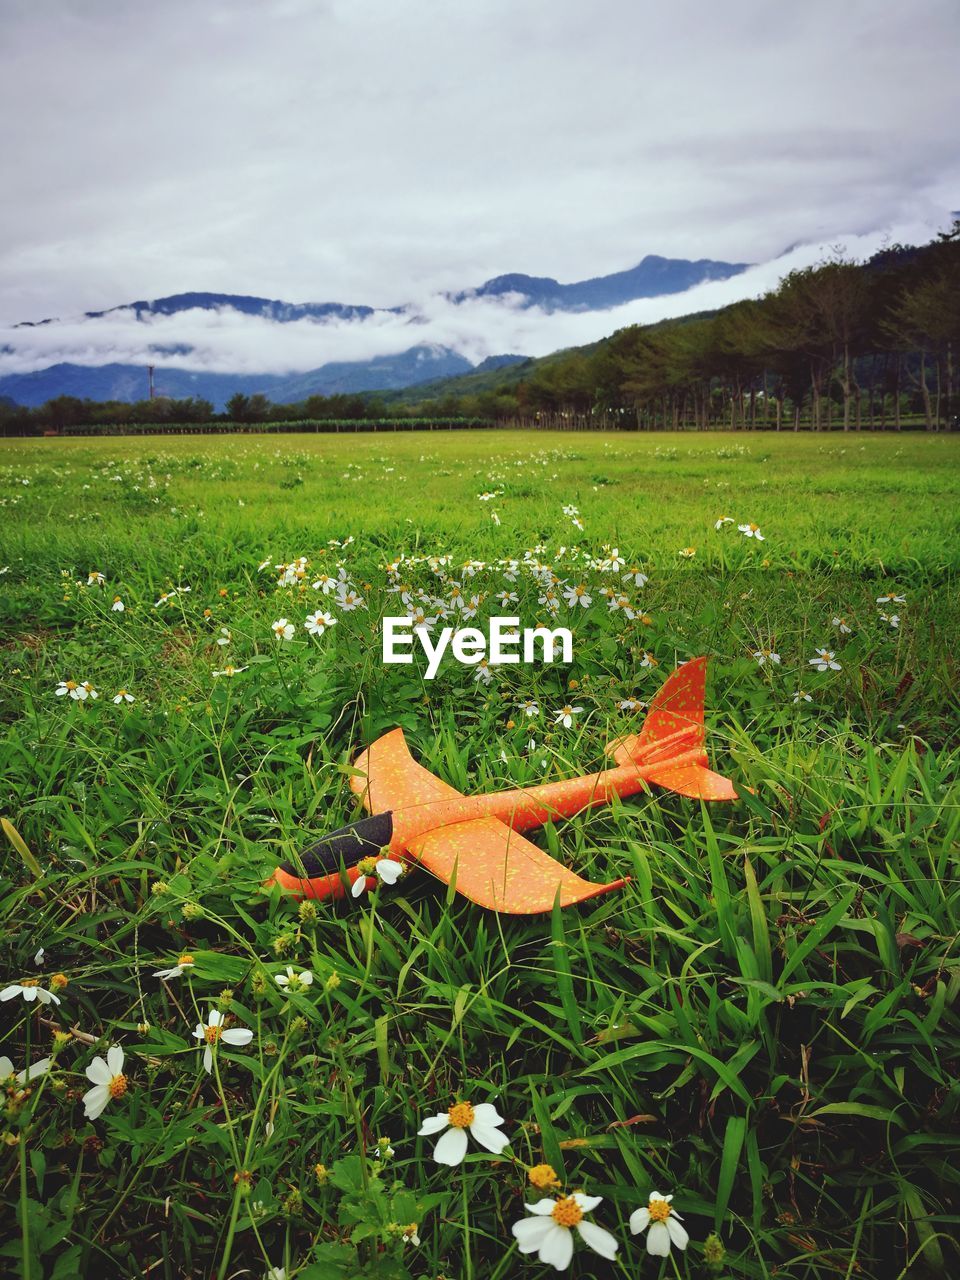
{"x": 525, "y": 808}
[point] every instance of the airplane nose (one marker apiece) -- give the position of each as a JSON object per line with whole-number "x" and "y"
{"x": 344, "y": 847}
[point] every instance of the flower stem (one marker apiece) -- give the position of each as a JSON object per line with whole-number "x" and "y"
{"x": 370, "y": 923}
{"x": 468, "y": 1265}
{"x": 24, "y": 1216}
{"x": 24, "y": 1219}
{"x": 238, "y": 1191}
{"x": 231, "y": 1231}
{"x": 226, "y": 1108}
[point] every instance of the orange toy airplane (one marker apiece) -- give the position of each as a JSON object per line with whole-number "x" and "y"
{"x": 474, "y": 842}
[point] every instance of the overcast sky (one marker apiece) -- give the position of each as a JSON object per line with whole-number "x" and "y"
{"x": 378, "y": 151}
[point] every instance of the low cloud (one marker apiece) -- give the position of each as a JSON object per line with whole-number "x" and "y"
{"x": 223, "y": 340}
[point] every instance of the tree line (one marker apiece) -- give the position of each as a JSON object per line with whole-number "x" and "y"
{"x": 841, "y": 344}
{"x": 69, "y": 415}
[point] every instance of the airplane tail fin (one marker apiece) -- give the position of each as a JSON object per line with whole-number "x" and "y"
{"x": 674, "y": 721}
{"x": 673, "y": 737}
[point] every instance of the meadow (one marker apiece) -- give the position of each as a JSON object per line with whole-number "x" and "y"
{"x": 762, "y": 1024}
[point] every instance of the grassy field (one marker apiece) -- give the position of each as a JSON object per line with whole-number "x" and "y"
{"x": 763, "y": 1023}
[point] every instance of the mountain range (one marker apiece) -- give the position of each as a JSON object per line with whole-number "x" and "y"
{"x": 651, "y": 278}
{"x": 422, "y": 362}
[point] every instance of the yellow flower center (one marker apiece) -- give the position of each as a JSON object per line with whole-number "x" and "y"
{"x": 461, "y": 1115}
{"x": 367, "y": 866}
{"x": 566, "y": 1212}
{"x": 754, "y": 528}
{"x": 30, "y": 982}
{"x": 118, "y": 1086}
{"x": 71, "y": 685}
{"x": 543, "y": 1176}
{"x": 185, "y": 959}
{"x": 659, "y": 1210}
{"x": 211, "y": 1034}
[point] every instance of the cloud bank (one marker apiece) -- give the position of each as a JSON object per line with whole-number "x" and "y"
{"x": 227, "y": 341}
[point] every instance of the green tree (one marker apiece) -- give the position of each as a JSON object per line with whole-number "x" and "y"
{"x": 925, "y": 319}
{"x": 238, "y": 407}
{"x": 822, "y": 314}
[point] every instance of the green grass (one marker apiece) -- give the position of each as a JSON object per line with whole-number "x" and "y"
{"x": 762, "y": 1023}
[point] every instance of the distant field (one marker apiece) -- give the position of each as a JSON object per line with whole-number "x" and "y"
{"x": 871, "y": 499}
{"x": 762, "y": 1023}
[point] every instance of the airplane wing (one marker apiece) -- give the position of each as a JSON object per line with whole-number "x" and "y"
{"x": 388, "y": 777}
{"x": 495, "y": 867}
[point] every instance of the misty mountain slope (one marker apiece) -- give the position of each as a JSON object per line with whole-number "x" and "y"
{"x": 248, "y": 305}
{"x": 409, "y": 368}
{"x": 651, "y": 278}
{"x": 128, "y": 383}
{"x": 268, "y": 308}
